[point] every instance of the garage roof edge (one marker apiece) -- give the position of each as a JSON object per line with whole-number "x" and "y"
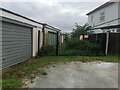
{"x": 20, "y": 15}
{"x": 44, "y": 24}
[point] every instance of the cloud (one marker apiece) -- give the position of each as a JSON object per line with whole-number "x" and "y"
{"x": 57, "y": 13}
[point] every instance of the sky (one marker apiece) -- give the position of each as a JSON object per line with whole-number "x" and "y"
{"x": 62, "y": 14}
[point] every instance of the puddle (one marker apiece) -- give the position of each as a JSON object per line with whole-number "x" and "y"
{"x": 105, "y": 65}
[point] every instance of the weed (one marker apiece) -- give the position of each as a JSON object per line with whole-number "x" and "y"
{"x": 13, "y": 78}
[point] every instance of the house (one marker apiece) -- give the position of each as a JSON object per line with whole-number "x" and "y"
{"x": 105, "y": 15}
{"x": 105, "y": 22}
{"x": 21, "y": 38}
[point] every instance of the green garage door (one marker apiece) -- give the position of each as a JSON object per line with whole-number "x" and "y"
{"x": 17, "y": 44}
{"x": 52, "y": 39}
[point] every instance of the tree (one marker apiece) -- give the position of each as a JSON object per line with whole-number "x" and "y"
{"x": 79, "y": 30}
{"x": 67, "y": 37}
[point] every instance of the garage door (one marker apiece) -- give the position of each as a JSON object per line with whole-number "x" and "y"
{"x": 52, "y": 38}
{"x": 17, "y": 44}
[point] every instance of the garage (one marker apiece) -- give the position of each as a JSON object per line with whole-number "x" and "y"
{"x": 16, "y": 43}
{"x": 22, "y": 38}
{"x": 18, "y": 38}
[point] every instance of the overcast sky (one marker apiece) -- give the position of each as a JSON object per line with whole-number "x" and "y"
{"x": 59, "y": 13}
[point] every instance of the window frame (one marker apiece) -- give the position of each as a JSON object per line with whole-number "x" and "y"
{"x": 102, "y": 16}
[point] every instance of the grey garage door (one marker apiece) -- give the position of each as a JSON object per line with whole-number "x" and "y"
{"x": 17, "y": 44}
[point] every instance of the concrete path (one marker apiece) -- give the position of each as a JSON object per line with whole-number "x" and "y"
{"x": 79, "y": 75}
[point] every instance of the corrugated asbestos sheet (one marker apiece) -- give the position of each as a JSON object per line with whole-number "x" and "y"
{"x": 17, "y": 44}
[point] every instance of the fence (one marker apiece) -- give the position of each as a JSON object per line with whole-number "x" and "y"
{"x": 113, "y": 42}
{"x": 100, "y": 39}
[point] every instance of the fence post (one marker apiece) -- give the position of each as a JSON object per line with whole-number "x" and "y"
{"x": 96, "y": 38}
{"x": 107, "y": 42}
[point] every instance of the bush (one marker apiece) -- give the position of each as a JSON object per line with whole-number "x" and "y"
{"x": 48, "y": 51}
{"x": 80, "y": 48}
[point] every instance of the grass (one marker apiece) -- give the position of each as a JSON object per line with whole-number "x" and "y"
{"x": 13, "y": 78}
{"x": 12, "y": 82}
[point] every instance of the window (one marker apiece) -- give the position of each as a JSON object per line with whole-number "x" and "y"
{"x": 102, "y": 17}
{"x": 91, "y": 18}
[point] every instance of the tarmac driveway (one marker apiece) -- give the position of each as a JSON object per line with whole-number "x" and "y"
{"x": 78, "y": 75}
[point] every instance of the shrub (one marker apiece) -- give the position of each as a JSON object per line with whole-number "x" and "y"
{"x": 74, "y": 46}
{"x": 80, "y": 48}
{"x": 48, "y": 51}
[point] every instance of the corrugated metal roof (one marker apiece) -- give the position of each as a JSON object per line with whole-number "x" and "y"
{"x": 20, "y": 15}
{"x": 56, "y": 29}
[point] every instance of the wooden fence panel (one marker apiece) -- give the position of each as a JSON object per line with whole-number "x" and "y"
{"x": 100, "y": 39}
{"x": 114, "y": 44}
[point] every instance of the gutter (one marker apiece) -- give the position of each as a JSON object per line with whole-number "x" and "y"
{"x": 107, "y": 27}
{"x": 51, "y": 27}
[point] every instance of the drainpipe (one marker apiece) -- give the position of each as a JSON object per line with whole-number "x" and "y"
{"x": 107, "y": 42}
{"x": 57, "y": 44}
{"x": 43, "y": 31}
{"x": 38, "y": 43}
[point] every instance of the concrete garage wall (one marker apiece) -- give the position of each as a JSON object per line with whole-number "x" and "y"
{"x": 17, "y": 44}
{"x": 35, "y": 40}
